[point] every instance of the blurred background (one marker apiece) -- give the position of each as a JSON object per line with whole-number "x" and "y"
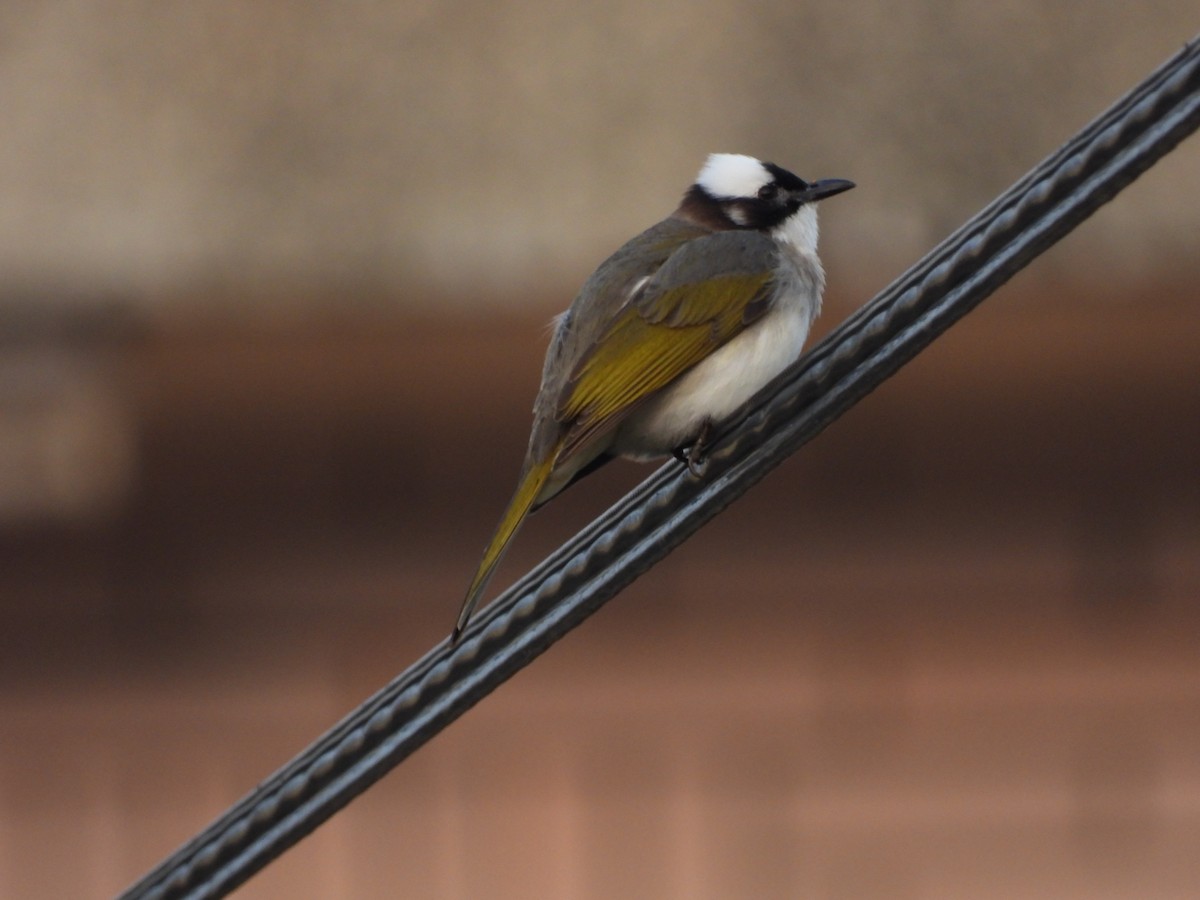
{"x": 274, "y": 281}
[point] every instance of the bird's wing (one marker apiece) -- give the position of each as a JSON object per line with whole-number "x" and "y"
{"x": 704, "y": 295}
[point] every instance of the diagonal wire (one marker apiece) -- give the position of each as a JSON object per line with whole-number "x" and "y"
{"x": 669, "y": 506}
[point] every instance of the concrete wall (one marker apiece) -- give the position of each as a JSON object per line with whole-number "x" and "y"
{"x": 160, "y": 150}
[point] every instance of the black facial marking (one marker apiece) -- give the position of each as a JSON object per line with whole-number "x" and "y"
{"x": 784, "y": 178}
{"x": 774, "y": 202}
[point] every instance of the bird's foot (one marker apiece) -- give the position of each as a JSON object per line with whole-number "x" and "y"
{"x": 695, "y": 454}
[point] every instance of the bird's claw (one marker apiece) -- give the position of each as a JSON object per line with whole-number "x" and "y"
{"x": 695, "y": 455}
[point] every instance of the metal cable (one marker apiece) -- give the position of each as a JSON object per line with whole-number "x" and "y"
{"x": 670, "y": 505}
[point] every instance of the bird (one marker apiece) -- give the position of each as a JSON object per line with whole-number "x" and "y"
{"x": 672, "y": 333}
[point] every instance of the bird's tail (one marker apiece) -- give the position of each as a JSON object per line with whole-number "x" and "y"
{"x": 523, "y": 500}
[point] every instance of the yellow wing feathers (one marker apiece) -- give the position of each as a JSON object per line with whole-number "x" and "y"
{"x": 653, "y": 342}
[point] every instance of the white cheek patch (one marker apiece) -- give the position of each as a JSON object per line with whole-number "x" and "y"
{"x": 733, "y": 175}
{"x": 737, "y": 215}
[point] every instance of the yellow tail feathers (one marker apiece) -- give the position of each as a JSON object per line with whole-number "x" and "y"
{"x": 518, "y": 508}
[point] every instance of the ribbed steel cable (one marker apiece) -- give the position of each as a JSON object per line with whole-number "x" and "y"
{"x": 670, "y": 505}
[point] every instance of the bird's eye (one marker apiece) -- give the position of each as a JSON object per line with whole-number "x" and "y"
{"x": 768, "y": 191}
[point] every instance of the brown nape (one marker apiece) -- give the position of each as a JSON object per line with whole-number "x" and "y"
{"x": 701, "y": 209}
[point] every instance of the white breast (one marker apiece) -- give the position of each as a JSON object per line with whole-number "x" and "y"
{"x": 724, "y": 381}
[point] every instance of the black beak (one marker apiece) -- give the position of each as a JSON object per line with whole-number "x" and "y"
{"x": 826, "y": 187}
